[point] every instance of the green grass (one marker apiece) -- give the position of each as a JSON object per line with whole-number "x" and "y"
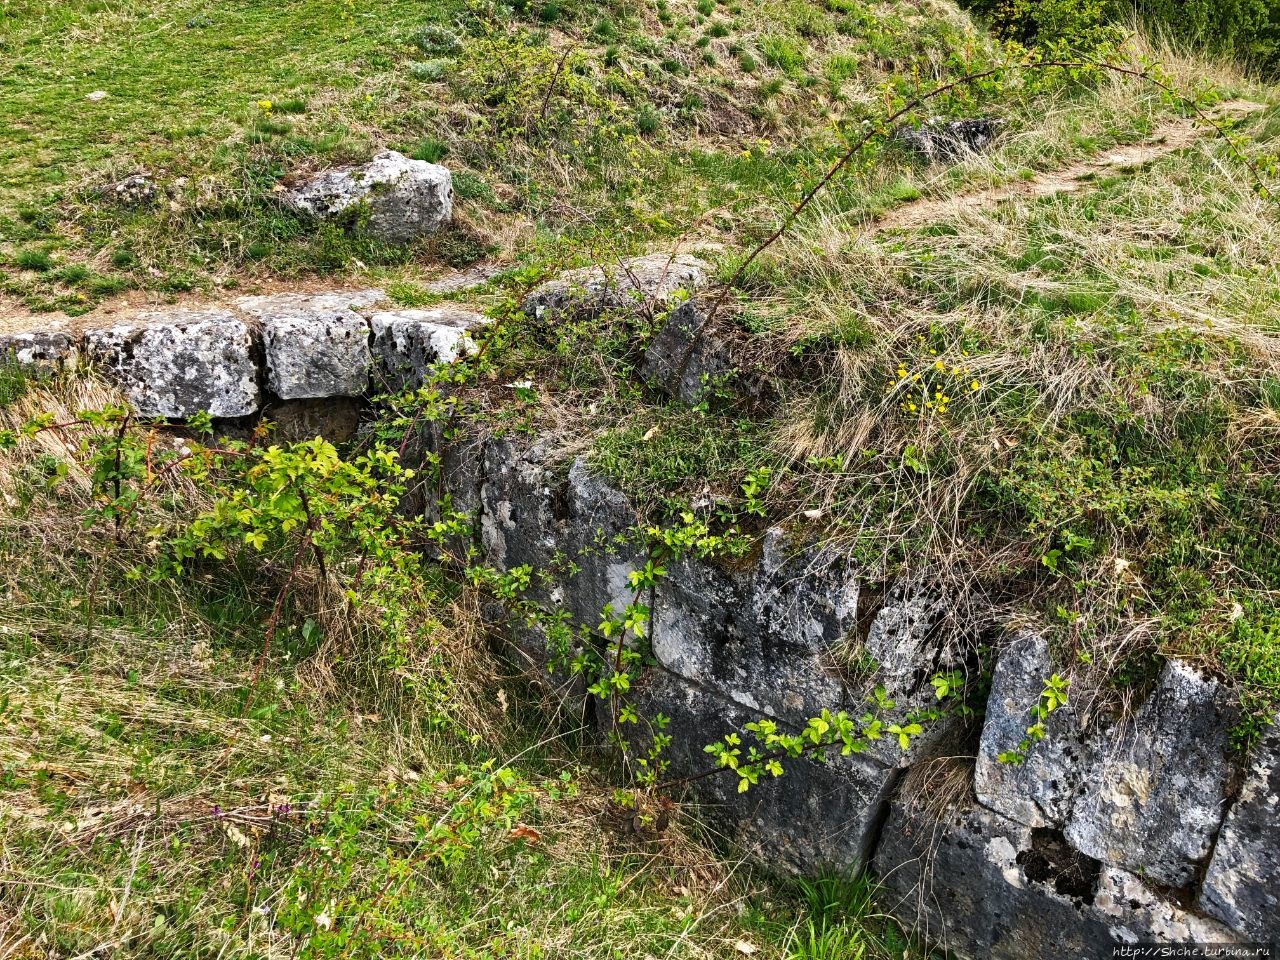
{"x": 1114, "y": 470}
{"x": 175, "y": 787}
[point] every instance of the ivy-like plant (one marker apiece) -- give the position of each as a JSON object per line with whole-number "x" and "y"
{"x": 1053, "y": 696}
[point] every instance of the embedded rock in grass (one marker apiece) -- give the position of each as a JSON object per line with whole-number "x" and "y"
{"x": 1039, "y": 790}
{"x": 1242, "y": 885}
{"x": 180, "y": 363}
{"x": 391, "y": 198}
{"x": 134, "y": 191}
{"x": 642, "y": 283}
{"x": 358, "y": 301}
{"x": 408, "y": 343}
{"x": 982, "y": 886}
{"x": 817, "y": 817}
{"x": 315, "y": 345}
{"x": 1157, "y": 791}
{"x": 47, "y": 350}
{"x": 937, "y": 140}
{"x": 683, "y": 360}
{"x": 519, "y": 501}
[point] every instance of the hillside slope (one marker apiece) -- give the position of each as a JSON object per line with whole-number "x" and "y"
{"x": 1041, "y": 378}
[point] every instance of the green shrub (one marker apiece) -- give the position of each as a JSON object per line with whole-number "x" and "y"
{"x": 1246, "y": 29}
{"x": 1076, "y": 25}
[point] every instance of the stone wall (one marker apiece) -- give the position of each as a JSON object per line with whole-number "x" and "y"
{"x": 306, "y": 360}
{"x": 1146, "y": 828}
{"x": 1113, "y": 830}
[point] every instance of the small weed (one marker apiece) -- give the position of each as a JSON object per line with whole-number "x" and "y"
{"x": 430, "y": 149}
{"x": 781, "y": 54}
{"x": 32, "y": 259}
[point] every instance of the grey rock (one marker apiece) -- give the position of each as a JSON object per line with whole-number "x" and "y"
{"x": 180, "y": 363}
{"x": 44, "y": 350}
{"x": 408, "y": 343}
{"x": 1135, "y": 913}
{"x": 905, "y": 633}
{"x": 314, "y": 348}
{"x": 816, "y": 817}
{"x": 1157, "y": 792}
{"x": 960, "y": 880}
{"x": 1039, "y": 791}
{"x": 760, "y": 641}
{"x": 980, "y": 885}
{"x": 134, "y": 191}
{"x": 392, "y": 198}
{"x": 599, "y": 539}
{"x": 938, "y": 140}
{"x": 643, "y": 283}
{"x": 909, "y": 640}
{"x": 683, "y": 359}
{"x": 519, "y": 502}
{"x": 1242, "y": 884}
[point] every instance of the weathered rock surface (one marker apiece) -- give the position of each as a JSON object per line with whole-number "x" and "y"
{"x": 519, "y": 498}
{"x": 1039, "y": 791}
{"x": 317, "y": 302}
{"x": 1242, "y": 885}
{"x": 137, "y": 190}
{"x": 817, "y": 816}
{"x": 313, "y": 346}
{"x": 391, "y": 197}
{"x": 643, "y": 283}
{"x": 984, "y": 886}
{"x": 408, "y": 343}
{"x": 599, "y": 538}
{"x": 937, "y": 140}
{"x": 48, "y": 350}
{"x": 180, "y": 363}
{"x": 1157, "y": 793}
{"x": 763, "y": 642}
{"x": 683, "y": 360}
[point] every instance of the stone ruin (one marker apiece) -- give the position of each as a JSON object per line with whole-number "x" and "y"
{"x": 1113, "y": 830}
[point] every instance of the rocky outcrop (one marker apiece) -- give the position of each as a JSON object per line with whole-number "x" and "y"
{"x": 315, "y": 346}
{"x": 1097, "y": 838}
{"x": 1111, "y": 829}
{"x": 45, "y": 350}
{"x": 273, "y": 351}
{"x": 950, "y": 140}
{"x": 392, "y": 198}
{"x": 683, "y": 361}
{"x": 1156, "y": 793}
{"x": 1037, "y": 791}
{"x": 648, "y": 283}
{"x": 407, "y": 343}
{"x": 981, "y": 885}
{"x": 1242, "y": 885}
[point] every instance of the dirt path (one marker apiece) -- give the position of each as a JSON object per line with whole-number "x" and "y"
{"x": 1169, "y": 138}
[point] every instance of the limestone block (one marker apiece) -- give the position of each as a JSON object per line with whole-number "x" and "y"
{"x": 180, "y": 362}
{"x": 392, "y": 198}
